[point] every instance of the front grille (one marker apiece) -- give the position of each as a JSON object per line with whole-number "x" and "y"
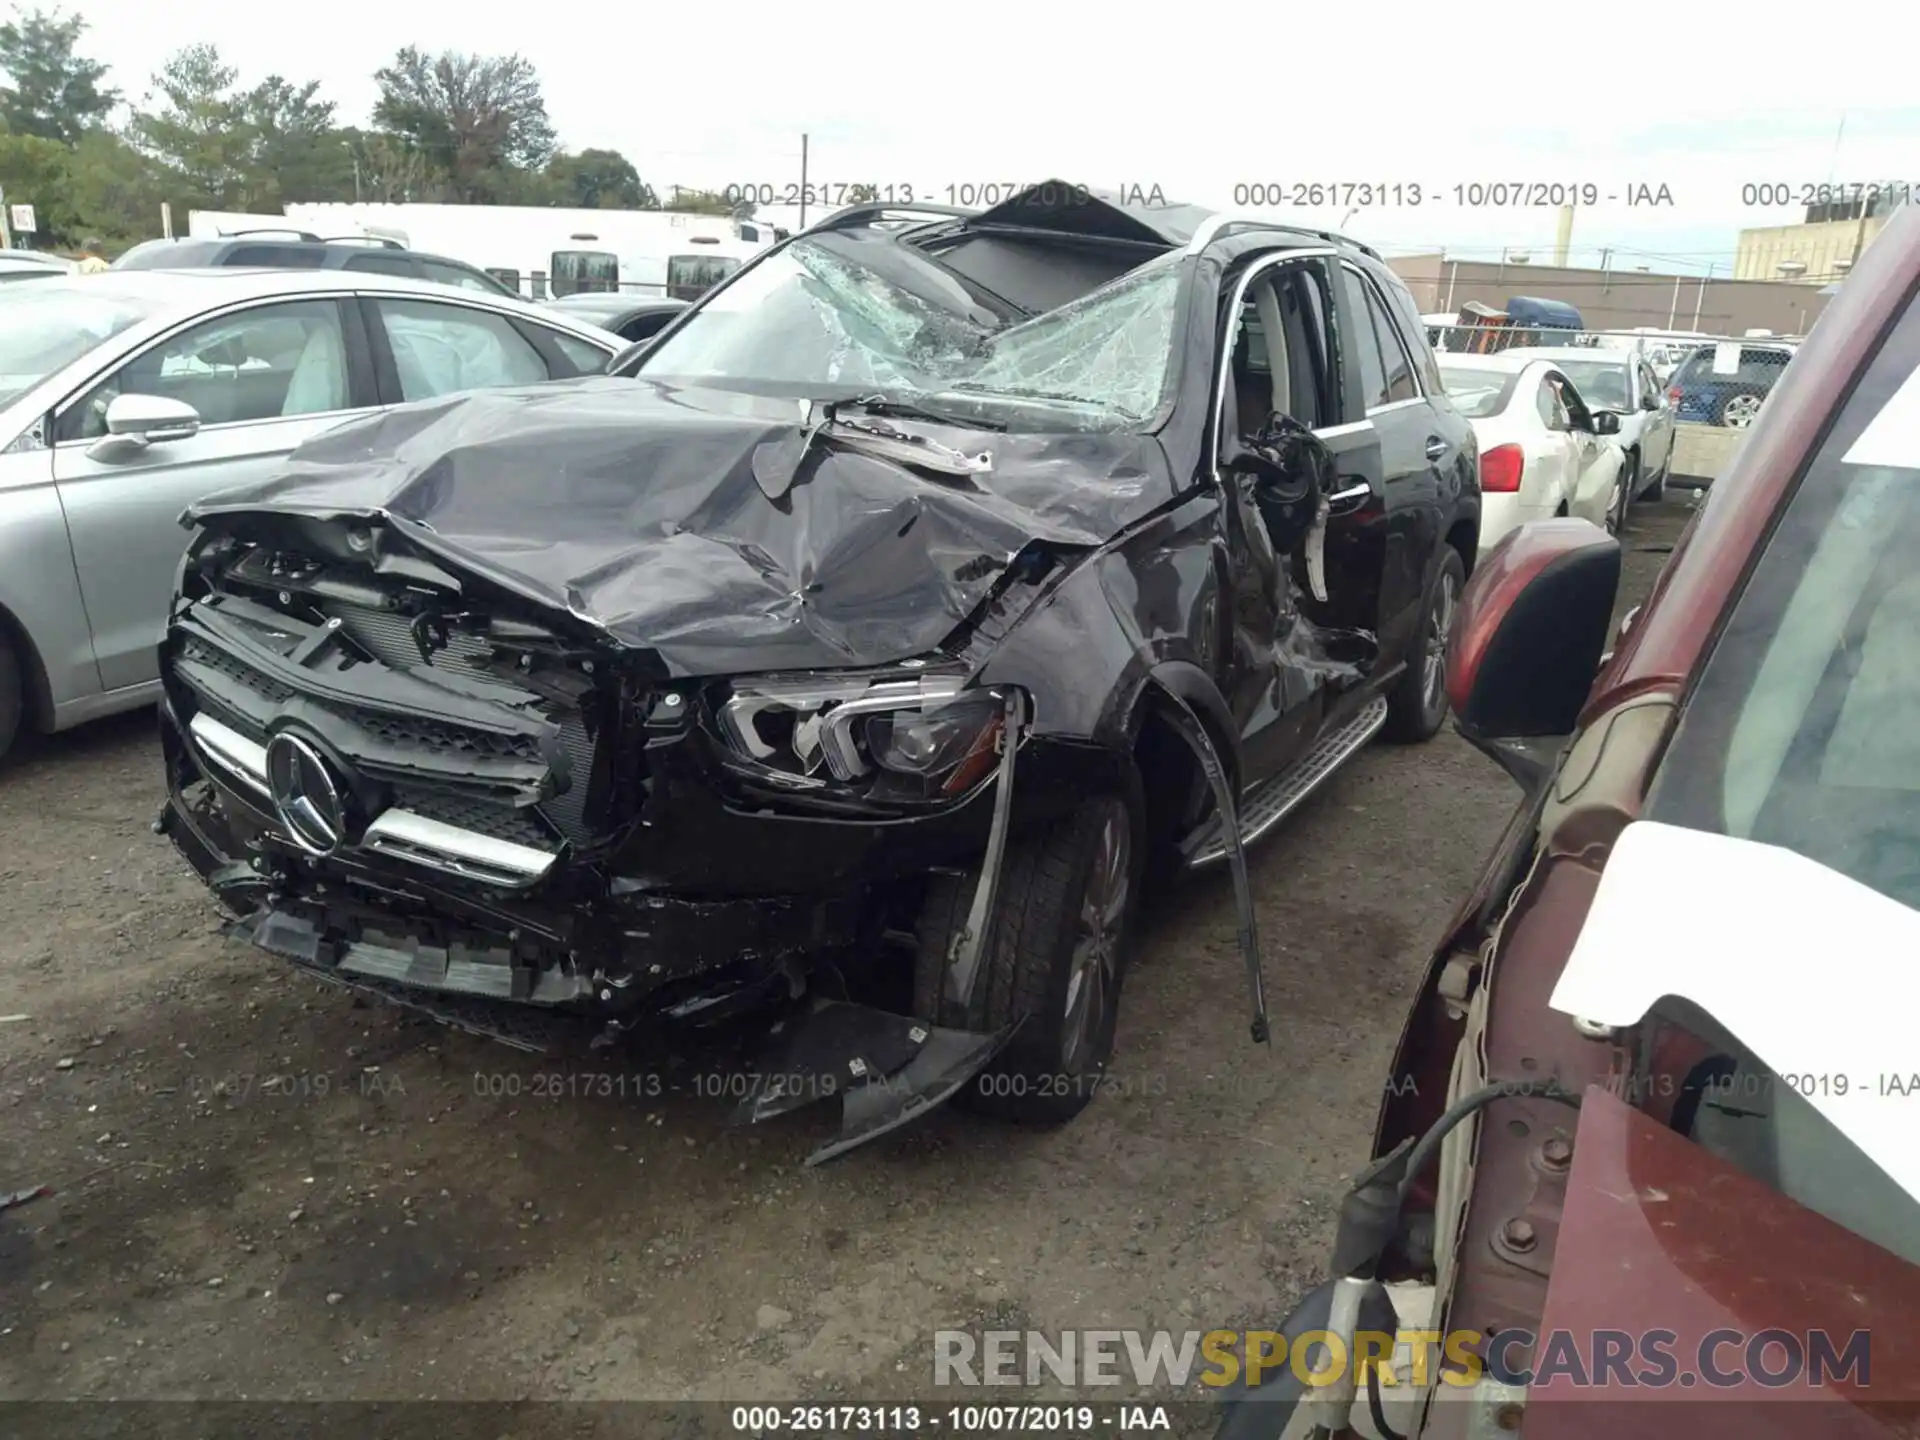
{"x": 411, "y": 731}
{"x": 237, "y": 670}
{"x": 389, "y": 637}
{"x": 470, "y": 812}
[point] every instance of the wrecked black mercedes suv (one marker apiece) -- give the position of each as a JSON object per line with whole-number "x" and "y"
{"x": 853, "y": 652}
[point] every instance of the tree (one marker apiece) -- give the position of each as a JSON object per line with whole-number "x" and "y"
{"x": 35, "y": 171}
{"x": 197, "y": 132}
{"x": 52, "y": 92}
{"x": 471, "y": 118}
{"x": 601, "y": 180}
{"x": 295, "y": 150}
{"x": 386, "y": 168}
{"x": 700, "y": 202}
{"x": 115, "y": 191}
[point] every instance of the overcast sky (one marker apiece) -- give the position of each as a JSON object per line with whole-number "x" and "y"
{"x": 1198, "y": 99}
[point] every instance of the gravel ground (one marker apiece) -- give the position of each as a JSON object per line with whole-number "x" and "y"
{"x": 266, "y": 1189}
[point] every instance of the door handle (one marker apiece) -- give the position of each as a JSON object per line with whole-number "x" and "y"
{"x": 1351, "y": 498}
{"x": 1436, "y": 448}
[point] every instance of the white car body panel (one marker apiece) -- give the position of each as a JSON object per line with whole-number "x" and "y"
{"x": 1562, "y": 467}
{"x": 1647, "y": 426}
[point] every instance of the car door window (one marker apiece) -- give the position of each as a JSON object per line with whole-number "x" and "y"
{"x": 586, "y": 359}
{"x": 645, "y": 327}
{"x": 259, "y": 364}
{"x": 439, "y": 349}
{"x": 1279, "y": 360}
{"x": 1361, "y": 336}
{"x": 1400, "y": 384}
{"x": 1552, "y": 414}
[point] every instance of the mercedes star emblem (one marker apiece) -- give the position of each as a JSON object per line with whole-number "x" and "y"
{"x": 305, "y": 794}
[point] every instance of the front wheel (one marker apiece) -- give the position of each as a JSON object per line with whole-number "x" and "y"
{"x": 12, "y": 695}
{"x": 1737, "y": 412}
{"x": 1054, "y": 961}
{"x": 1417, "y": 704}
{"x": 1657, "y": 491}
{"x": 1623, "y": 492}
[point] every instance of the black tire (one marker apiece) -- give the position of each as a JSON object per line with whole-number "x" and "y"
{"x": 1417, "y": 704}
{"x": 1624, "y": 490}
{"x": 1657, "y": 491}
{"x": 12, "y": 696}
{"x": 1046, "y": 1075}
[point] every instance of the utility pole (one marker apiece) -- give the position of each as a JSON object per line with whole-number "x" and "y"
{"x": 1701, "y": 298}
{"x": 803, "y": 181}
{"x": 1606, "y": 269}
{"x": 1673, "y": 310}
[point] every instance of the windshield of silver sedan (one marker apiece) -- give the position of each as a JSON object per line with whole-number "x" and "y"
{"x": 839, "y": 316}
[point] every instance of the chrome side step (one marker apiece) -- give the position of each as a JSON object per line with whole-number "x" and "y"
{"x": 1272, "y": 801}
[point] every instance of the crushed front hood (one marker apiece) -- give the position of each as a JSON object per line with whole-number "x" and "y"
{"x": 634, "y": 506}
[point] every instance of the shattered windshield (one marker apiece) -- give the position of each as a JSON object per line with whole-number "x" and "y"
{"x": 838, "y": 315}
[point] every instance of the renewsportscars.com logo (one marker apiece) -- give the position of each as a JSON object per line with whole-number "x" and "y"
{"x": 1773, "y": 1359}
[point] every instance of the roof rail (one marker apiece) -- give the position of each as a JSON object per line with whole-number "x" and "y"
{"x": 289, "y": 230}
{"x": 382, "y": 241}
{"x": 864, "y": 214}
{"x": 1216, "y": 225}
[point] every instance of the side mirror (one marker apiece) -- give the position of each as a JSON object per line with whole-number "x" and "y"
{"x": 1527, "y": 640}
{"x": 145, "y": 420}
{"x": 1606, "y": 422}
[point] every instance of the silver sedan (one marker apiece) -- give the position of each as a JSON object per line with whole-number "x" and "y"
{"x": 126, "y": 395}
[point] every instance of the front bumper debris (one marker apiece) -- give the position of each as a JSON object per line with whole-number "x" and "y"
{"x": 887, "y": 1070}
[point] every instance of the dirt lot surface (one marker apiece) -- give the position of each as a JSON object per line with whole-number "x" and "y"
{"x": 268, "y": 1190}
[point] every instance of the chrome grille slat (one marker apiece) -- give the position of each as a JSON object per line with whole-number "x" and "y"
{"x": 399, "y": 833}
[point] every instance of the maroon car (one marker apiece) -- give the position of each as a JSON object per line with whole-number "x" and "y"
{"x": 1649, "y": 1154}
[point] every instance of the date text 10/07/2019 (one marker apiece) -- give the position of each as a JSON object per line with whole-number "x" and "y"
{"x": 1253, "y": 194}
{"x": 897, "y": 1420}
{"x": 1466, "y": 194}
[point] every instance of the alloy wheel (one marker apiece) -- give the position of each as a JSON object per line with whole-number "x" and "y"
{"x": 1741, "y": 411}
{"x": 1094, "y": 978}
{"x": 1433, "y": 684}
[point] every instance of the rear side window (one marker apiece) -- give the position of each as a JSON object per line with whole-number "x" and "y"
{"x": 1365, "y": 341}
{"x": 439, "y": 349}
{"x": 381, "y": 263}
{"x": 1762, "y": 365}
{"x": 275, "y": 257}
{"x": 1393, "y": 351}
{"x": 443, "y": 273}
{"x": 584, "y": 272}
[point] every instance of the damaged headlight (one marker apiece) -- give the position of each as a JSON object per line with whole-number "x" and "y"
{"x": 809, "y": 732}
